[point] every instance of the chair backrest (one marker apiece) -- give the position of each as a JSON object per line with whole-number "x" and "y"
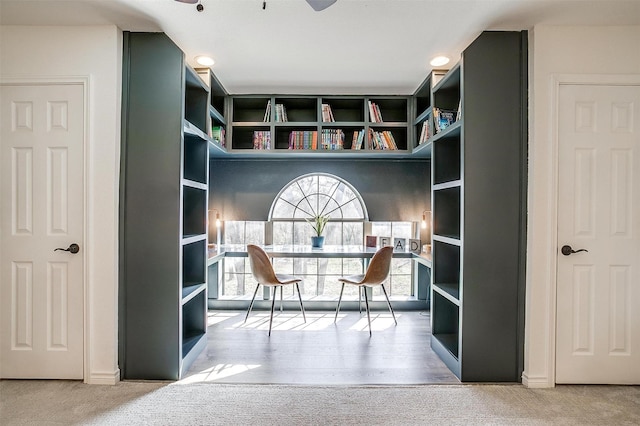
{"x": 261, "y": 265}
{"x": 379, "y": 267}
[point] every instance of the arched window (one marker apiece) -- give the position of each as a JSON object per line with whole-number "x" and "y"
{"x": 318, "y": 194}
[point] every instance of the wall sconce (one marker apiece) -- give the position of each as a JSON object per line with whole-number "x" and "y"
{"x": 218, "y": 222}
{"x": 424, "y": 218}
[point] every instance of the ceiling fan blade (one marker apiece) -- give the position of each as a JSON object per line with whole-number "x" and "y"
{"x": 319, "y": 5}
{"x": 188, "y": 1}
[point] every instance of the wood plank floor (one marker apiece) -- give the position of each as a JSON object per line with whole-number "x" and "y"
{"x": 319, "y": 352}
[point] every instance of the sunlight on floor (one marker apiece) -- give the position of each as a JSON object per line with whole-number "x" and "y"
{"x": 293, "y": 321}
{"x": 217, "y": 372}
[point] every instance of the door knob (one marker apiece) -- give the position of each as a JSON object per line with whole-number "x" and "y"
{"x": 567, "y": 250}
{"x": 73, "y": 248}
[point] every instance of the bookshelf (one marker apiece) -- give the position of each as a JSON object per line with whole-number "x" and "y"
{"x": 330, "y": 121}
{"x": 479, "y": 203}
{"x": 169, "y": 110}
{"x": 217, "y": 123}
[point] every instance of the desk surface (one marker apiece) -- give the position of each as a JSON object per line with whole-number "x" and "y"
{"x": 305, "y": 251}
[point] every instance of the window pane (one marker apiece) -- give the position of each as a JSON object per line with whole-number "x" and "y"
{"x": 282, "y": 233}
{"x": 233, "y": 232}
{"x": 352, "y": 233}
{"x": 254, "y": 233}
{"x": 401, "y": 230}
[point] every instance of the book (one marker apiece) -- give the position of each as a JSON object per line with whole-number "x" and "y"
{"x": 327, "y": 114}
{"x": 217, "y": 134}
{"x": 281, "y": 113}
{"x": 261, "y": 139}
{"x": 374, "y": 112}
{"x": 443, "y": 118}
{"x": 303, "y": 139}
{"x": 267, "y": 112}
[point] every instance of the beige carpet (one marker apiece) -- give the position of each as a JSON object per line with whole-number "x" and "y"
{"x": 144, "y": 403}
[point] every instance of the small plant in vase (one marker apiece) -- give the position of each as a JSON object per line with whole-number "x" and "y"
{"x": 318, "y": 224}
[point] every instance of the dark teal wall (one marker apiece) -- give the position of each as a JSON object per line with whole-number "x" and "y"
{"x": 395, "y": 190}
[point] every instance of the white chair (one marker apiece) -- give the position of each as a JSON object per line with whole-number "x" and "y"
{"x": 377, "y": 272}
{"x": 263, "y": 272}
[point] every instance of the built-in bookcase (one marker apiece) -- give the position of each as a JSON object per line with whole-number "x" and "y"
{"x": 169, "y": 110}
{"x": 478, "y": 153}
{"x": 284, "y": 118}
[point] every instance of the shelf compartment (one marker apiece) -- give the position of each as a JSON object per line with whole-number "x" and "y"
{"x": 446, "y": 94}
{"x": 249, "y": 109}
{"x": 283, "y": 136}
{"x": 446, "y": 267}
{"x": 196, "y": 160}
{"x": 194, "y": 323}
{"x": 194, "y": 262}
{"x": 445, "y": 324}
{"x": 242, "y": 137}
{"x": 194, "y": 211}
{"x": 450, "y": 291}
{"x": 191, "y": 291}
{"x": 299, "y": 109}
{"x": 196, "y": 100}
{"x": 446, "y": 208}
{"x": 399, "y": 135}
{"x": 345, "y": 109}
{"x": 446, "y": 160}
{"x": 391, "y": 109}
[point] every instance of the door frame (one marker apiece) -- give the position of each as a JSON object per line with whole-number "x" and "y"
{"x": 86, "y": 243}
{"x": 551, "y": 230}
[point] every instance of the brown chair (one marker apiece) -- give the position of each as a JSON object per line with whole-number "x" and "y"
{"x": 263, "y": 272}
{"x": 377, "y": 272}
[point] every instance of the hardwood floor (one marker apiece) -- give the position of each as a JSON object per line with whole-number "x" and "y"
{"x": 319, "y": 352}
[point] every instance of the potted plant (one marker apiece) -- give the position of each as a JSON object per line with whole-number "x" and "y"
{"x": 318, "y": 223}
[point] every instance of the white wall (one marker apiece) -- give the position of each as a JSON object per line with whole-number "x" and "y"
{"x": 94, "y": 52}
{"x": 558, "y": 54}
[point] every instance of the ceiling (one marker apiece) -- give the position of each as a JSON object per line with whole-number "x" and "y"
{"x": 353, "y": 47}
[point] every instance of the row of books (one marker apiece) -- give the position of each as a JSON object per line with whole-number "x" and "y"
{"x": 425, "y": 133}
{"x": 374, "y": 113}
{"x": 262, "y": 139}
{"x": 376, "y": 141}
{"x": 303, "y": 139}
{"x": 327, "y": 114}
{"x": 443, "y": 118}
{"x": 280, "y": 113}
{"x": 218, "y": 135}
{"x": 332, "y": 139}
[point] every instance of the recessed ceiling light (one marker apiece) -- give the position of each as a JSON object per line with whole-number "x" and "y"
{"x": 205, "y": 61}
{"x": 439, "y": 61}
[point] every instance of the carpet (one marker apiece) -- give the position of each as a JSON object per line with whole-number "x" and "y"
{"x": 24, "y": 402}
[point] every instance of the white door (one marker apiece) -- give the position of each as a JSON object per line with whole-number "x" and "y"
{"x": 598, "y": 291}
{"x": 42, "y": 192}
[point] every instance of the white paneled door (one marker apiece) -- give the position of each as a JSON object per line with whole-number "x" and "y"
{"x": 598, "y": 290}
{"x": 42, "y": 190}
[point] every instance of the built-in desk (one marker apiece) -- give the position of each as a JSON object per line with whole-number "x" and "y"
{"x": 359, "y": 252}
{"x": 422, "y": 265}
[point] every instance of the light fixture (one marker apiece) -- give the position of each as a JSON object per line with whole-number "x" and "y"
{"x": 424, "y": 218}
{"x": 188, "y": 1}
{"x": 439, "y": 61}
{"x": 204, "y": 60}
{"x": 218, "y": 221}
{"x": 319, "y": 5}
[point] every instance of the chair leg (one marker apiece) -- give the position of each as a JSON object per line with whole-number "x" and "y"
{"x": 273, "y": 304}
{"x": 360, "y": 299}
{"x": 366, "y": 302}
{"x": 389, "y": 303}
{"x": 281, "y": 291}
{"x": 339, "y": 300}
{"x": 251, "y": 304}
{"x": 301, "y": 307}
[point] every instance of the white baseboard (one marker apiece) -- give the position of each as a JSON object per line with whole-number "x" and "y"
{"x": 538, "y": 382}
{"x": 103, "y": 378}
